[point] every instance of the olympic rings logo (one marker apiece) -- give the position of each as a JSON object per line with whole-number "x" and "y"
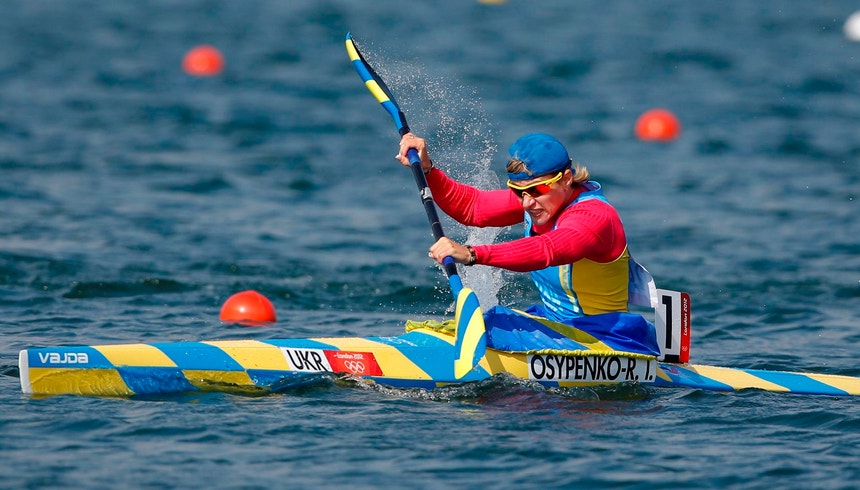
{"x": 355, "y": 367}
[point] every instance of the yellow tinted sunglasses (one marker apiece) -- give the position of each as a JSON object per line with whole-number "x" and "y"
{"x": 535, "y": 189}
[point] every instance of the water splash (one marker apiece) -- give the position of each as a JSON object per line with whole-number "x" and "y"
{"x": 462, "y": 143}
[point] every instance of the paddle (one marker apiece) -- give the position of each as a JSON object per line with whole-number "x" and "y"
{"x": 470, "y": 342}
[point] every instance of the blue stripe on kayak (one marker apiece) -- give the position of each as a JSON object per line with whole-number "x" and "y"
{"x": 797, "y": 383}
{"x": 425, "y": 351}
{"x": 155, "y": 380}
{"x": 199, "y": 356}
{"x": 689, "y": 379}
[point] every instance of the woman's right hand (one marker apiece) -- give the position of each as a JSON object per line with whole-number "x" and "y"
{"x": 409, "y": 141}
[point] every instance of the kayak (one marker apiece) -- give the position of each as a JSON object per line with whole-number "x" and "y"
{"x": 420, "y": 358}
{"x": 423, "y": 357}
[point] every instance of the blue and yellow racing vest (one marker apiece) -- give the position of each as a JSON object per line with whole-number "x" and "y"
{"x": 586, "y": 287}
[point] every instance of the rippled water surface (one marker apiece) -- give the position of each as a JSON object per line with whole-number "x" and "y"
{"x": 136, "y": 199}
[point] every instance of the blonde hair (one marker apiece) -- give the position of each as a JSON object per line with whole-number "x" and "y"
{"x": 580, "y": 173}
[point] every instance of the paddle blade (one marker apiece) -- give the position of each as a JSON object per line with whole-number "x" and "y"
{"x": 471, "y": 341}
{"x": 376, "y": 85}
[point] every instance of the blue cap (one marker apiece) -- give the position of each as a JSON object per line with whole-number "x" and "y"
{"x": 541, "y": 153}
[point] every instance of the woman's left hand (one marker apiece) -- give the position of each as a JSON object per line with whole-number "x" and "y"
{"x": 445, "y": 247}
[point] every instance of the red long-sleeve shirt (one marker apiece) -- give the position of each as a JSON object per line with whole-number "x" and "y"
{"x": 589, "y": 229}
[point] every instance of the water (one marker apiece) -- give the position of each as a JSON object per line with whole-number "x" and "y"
{"x": 137, "y": 199}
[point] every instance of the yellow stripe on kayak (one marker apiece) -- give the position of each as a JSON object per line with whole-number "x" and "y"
{"x": 737, "y": 379}
{"x": 136, "y": 355}
{"x": 496, "y": 362}
{"x": 101, "y": 382}
{"x": 392, "y": 362}
{"x": 253, "y": 354}
{"x": 845, "y": 383}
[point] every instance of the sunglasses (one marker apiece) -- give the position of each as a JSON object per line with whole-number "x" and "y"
{"x": 535, "y": 189}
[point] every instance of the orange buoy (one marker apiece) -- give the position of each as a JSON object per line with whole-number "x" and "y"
{"x": 203, "y": 61}
{"x": 248, "y": 308}
{"x": 657, "y": 125}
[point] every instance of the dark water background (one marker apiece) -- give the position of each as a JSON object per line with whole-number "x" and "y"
{"x": 135, "y": 199}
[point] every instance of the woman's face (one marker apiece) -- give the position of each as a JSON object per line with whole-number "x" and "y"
{"x": 542, "y": 197}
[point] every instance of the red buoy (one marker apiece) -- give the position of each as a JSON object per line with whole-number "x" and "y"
{"x": 203, "y": 61}
{"x": 248, "y": 308}
{"x": 657, "y": 125}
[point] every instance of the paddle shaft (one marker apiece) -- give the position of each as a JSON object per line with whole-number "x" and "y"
{"x": 430, "y": 209}
{"x": 383, "y": 95}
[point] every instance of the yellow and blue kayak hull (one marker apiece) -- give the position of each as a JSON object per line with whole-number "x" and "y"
{"x": 420, "y": 358}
